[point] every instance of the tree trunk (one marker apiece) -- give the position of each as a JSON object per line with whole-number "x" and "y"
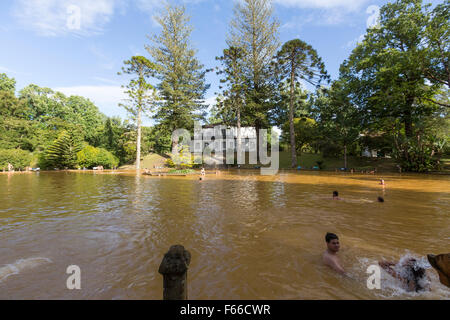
{"x": 258, "y": 126}
{"x": 138, "y": 143}
{"x": 408, "y": 118}
{"x": 291, "y": 120}
{"x": 345, "y": 157}
{"x": 238, "y": 140}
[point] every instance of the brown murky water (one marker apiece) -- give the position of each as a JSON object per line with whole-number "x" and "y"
{"x": 251, "y": 237}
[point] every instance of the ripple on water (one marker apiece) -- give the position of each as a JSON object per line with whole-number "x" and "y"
{"x": 251, "y": 237}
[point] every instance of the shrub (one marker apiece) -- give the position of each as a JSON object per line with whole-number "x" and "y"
{"x": 90, "y": 157}
{"x": 62, "y": 153}
{"x": 20, "y": 159}
{"x": 170, "y": 163}
{"x": 183, "y": 160}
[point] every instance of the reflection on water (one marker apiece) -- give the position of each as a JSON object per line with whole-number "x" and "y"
{"x": 250, "y": 236}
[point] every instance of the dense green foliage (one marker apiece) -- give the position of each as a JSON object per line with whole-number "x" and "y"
{"x": 90, "y": 157}
{"x": 35, "y": 119}
{"x": 391, "y": 78}
{"x": 19, "y": 159}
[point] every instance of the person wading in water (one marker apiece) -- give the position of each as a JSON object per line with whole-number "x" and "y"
{"x": 330, "y": 257}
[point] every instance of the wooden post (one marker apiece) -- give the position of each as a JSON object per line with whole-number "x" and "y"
{"x": 174, "y": 268}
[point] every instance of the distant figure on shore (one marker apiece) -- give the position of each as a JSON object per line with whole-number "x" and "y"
{"x": 10, "y": 167}
{"x": 380, "y": 199}
{"x": 382, "y": 182}
{"x": 330, "y": 257}
{"x": 202, "y": 172}
{"x": 410, "y": 273}
{"x": 336, "y": 195}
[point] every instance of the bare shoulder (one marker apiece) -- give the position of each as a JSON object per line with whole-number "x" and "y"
{"x": 327, "y": 258}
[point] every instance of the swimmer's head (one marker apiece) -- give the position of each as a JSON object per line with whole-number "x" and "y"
{"x": 380, "y": 199}
{"x": 416, "y": 272}
{"x": 335, "y": 194}
{"x": 332, "y": 242}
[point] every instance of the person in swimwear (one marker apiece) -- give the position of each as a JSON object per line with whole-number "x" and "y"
{"x": 330, "y": 257}
{"x": 336, "y": 195}
{"x": 410, "y": 273}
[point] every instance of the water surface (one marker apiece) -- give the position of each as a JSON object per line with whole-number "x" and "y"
{"x": 250, "y": 236}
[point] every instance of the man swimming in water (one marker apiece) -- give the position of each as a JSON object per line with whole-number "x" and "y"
{"x": 330, "y": 257}
{"x": 410, "y": 273}
{"x": 336, "y": 195}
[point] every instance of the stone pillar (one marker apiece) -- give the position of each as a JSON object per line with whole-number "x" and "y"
{"x": 174, "y": 268}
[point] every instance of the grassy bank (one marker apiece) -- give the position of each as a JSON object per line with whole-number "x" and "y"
{"x": 149, "y": 161}
{"x": 306, "y": 160}
{"x": 309, "y": 160}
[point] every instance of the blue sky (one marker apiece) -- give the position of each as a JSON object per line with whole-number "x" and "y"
{"x": 43, "y": 41}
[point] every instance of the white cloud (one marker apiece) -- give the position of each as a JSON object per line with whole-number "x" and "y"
{"x": 107, "y": 98}
{"x": 318, "y": 18}
{"x": 211, "y": 101}
{"x": 105, "y": 80}
{"x": 349, "y": 5}
{"x": 4, "y": 69}
{"x": 61, "y": 17}
{"x": 149, "y": 6}
{"x": 351, "y": 44}
{"x": 323, "y": 12}
{"x": 8, "y": 70}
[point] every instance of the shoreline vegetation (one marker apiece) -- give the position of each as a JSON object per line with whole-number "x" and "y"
{"x": 394, "y": 106}
{"x": 154, "y": 163}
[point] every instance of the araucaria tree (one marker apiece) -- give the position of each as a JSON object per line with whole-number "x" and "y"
{"x": 182, "y": 84}
{"x": 254, "y": 30}
{"x": 298, "y": 61}
{"x": 141, "y": 94}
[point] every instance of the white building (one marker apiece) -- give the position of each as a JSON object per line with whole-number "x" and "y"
{"x": 220, "y": 138}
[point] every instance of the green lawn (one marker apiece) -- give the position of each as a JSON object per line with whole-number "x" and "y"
{"x": 305, "y": 160}
{"x": 309, "y": 160}
{"x": 148, "y": 161}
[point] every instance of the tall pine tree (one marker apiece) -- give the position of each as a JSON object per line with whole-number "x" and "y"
{"x": 182, "y": 84}
{"x": 255, "y": 30}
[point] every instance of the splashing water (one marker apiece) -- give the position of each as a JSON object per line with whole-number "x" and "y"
{"x": 21, "y": 265}
{"x": 392, "y": 288}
